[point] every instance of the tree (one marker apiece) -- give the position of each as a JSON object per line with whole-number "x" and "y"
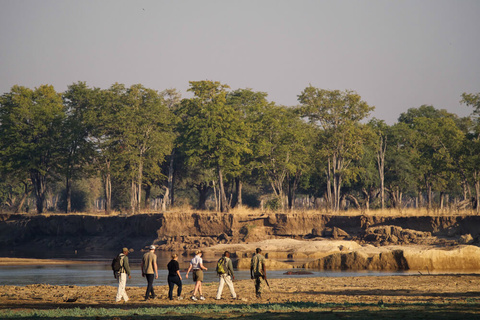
{"x": 212, "y": 131}
{"x": 280, "y": 150}
{"x": 471, "y": 150}
{"x": 379, "y": 129}
{"x": 250, "y": 106}
{"x": 437, "y": 139}
{"x": 77, "y": 149}
{"x": 337, "y": 114}
{"x": 30, "y": 127}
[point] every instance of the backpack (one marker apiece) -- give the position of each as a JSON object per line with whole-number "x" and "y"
{"x": 117, "y": 263}
{"x": 221, "y": 268}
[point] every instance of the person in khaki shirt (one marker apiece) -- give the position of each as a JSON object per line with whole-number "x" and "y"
{"x": 150, "y": 271}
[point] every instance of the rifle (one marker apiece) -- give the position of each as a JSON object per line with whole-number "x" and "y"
{"x": 266, "y": 281}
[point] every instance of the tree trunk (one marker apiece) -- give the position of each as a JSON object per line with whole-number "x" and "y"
{"x": 148, "y": 189}
{"x": 329, "y": 185}
{"x": 68, "y": 194}
{"x": 239, "y": 187}
{"x": 223, "y": 197}
{"x": 133, "y": 196}
{"x": 165, "y": 202}
{"x": 367, "y": 199}
{"x": 107, "y": 185}
{"x": 170, "y": 179}
{"x": 203, "y": 189}
{"x": 477, "y": 191}
{"x": 25, "y": 195}
{"x": 381, "y": 168}
{"x": 292, "y": 188}
{"x": 39, "y": 185}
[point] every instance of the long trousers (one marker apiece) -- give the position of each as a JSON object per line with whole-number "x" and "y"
{"x": 150, "y": 277}
{"x": 172, "y": 281}
{"x": 225, "y": 279}
{"x": 122, "y": 283}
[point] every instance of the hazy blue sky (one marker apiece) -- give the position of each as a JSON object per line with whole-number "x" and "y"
{"x": 395, "y": 54}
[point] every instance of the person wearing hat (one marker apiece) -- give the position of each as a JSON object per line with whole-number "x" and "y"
{"x": 197, "y": 266}
{"x": 122, "y": 276}
{"x": 150, "y": 271}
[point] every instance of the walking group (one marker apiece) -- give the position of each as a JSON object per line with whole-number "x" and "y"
{"x": 149, "y": 268}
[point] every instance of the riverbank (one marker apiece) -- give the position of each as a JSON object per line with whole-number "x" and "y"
{"x": 38, "y": 262}
{"x": 188, "y": 231}
{"x": 307, "y": 295}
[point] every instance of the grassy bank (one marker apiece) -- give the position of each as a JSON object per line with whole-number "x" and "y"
{"x": 289, "y": 310}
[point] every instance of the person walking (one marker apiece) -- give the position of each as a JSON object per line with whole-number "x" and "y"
{"x": 258, "y": 271}
{"x": 197, "y": 266}
{"x": 150, "y": 271}
{"x": 225, "y": 274}
{"x": 174, "y": 277}
{"x": 122, "y": 274}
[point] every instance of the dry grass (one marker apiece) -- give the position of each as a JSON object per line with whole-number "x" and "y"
{"x": 247, "y": 211}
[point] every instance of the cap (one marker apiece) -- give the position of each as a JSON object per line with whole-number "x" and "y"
{"x": 198, "y": 251}
{"x": 152, "y": 247}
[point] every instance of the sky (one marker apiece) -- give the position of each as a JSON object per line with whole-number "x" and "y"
{"x": 395, "y": 54}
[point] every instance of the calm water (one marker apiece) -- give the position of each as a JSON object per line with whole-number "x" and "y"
{"x": 97, "y": 271}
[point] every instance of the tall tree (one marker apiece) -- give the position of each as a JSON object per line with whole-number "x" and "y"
{"x": 337, "y": 114}
{"x": 471, "y": 150}
{"x": 147, "y": 135}
{"x": 30, "y": 127}
{"x": 78, "y": 151}
{"x": 212, "y": 131}
{"x": 437, "y": 139}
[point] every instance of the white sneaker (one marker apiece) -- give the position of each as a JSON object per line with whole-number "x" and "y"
{"x": 179, "y": 298}
{"x": 202, "y": 298}
{"x": 194, "y": 298}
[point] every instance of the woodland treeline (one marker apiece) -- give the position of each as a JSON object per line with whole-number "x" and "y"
{"x": 133, "y": 148}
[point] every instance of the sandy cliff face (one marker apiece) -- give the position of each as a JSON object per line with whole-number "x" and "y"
{"x": 187, "y": 231}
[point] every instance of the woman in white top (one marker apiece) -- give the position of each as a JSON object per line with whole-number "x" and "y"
{"x": 197, "y": 266}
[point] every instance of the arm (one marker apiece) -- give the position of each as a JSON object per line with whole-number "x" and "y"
{"x": 202, "y": 267}
{"x": 251, "y": 269}
{"x": 230, "y": 268}
{"x": 178, "y": 271}
{"x": 155, "y": 268}
{"x": 264, "y": 269}
{"x": 127, "y": 267}
{"x": 189, "y": 268}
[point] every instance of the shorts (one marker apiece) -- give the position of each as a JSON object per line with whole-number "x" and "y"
{"x": 198, "y": 275}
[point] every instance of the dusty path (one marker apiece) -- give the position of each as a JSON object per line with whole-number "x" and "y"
{"x": 437, "y": 289}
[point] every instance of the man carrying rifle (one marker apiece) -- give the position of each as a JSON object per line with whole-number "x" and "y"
{"x": 258, "y": 271}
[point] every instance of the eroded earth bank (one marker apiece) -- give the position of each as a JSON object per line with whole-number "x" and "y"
{"x": 362, "y": 242}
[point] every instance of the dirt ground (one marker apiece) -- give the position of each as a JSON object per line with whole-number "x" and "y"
{"x": 412, "y": 289}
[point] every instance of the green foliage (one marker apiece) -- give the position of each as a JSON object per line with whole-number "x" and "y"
{"x": 227, "y": 141}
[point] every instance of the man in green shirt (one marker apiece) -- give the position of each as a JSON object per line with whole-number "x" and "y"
{"x": 122, "y": 276}
{"x": 258, "y": 271}
{"x": 225, "y": 275}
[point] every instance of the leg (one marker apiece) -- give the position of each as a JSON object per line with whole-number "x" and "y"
{"x": 197, "y": 288}
{"x": 179, "y": 287}
{"x": 258, "y": 286}
{"x": 150, "y": 291}
{"x": 171, "y": 284}
{"x": 229, "y": 282}
{"x": 122, "y": 282}
{"x": 220, "y": 286}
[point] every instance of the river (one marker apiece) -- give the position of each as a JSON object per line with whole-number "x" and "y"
{"x": 95, "y": 270}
